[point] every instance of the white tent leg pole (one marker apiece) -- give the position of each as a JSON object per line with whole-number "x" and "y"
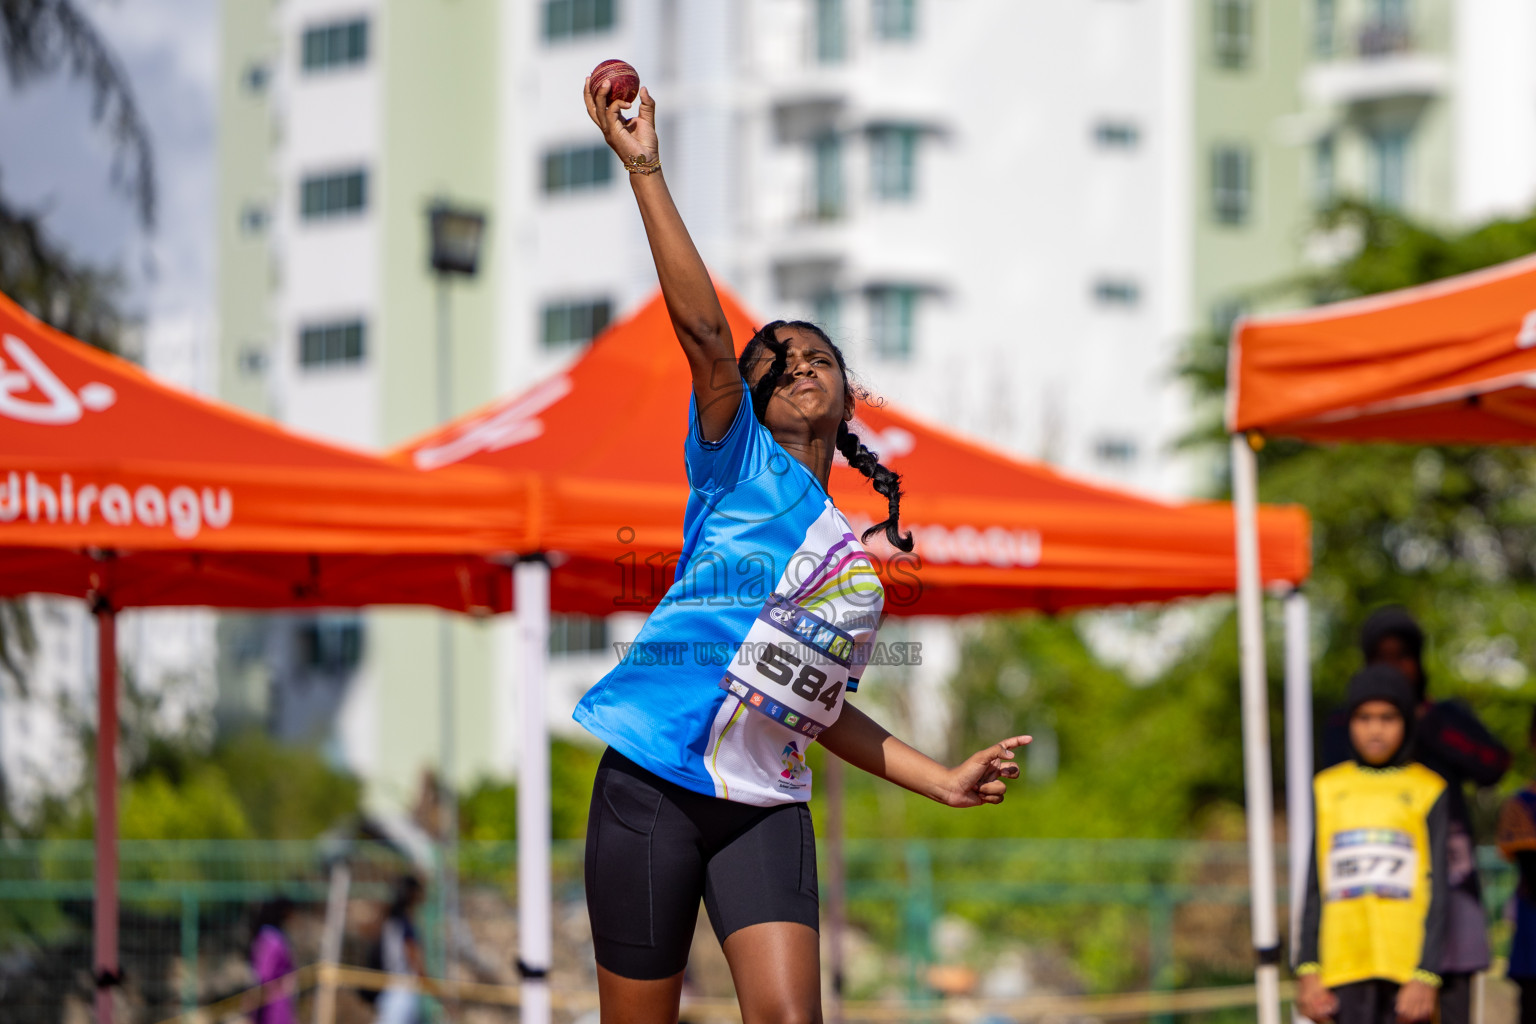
{"x": 330, "y": 941}
{"x": 534, "y": 890}
{"x": 1298, "y": 751}
{"x": 1258, "y": 783}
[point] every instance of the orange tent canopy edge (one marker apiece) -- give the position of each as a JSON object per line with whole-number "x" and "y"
{"x": 117, "y": 486}
{"x": 602, "y": 441}
{"x": 1452, "y": 361}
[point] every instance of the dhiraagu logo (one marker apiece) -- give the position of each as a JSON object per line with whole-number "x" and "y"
{"x": 22, "y": 371}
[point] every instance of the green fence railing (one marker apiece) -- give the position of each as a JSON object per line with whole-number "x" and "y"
{"x": 185, "y": 908}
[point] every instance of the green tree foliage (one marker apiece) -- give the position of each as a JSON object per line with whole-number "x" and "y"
{"x": 489, "y": 810}
{"x": 248, "y": 786}
{"x": 285, "y": 792}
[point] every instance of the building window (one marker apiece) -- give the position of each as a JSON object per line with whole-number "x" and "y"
{"x": 1232, "y": 32}
{"x": 340, "y": 343}
{"x": 566, "y": 18}
{"x": 893, "y": 162}
{"x": 895, "y": 19}
{"x": 255, "y": 78}
{"x": 893, "y": 321}
{"x": 826, "y": 312}
{"x": 1116, "y": 291}
{"x": 332, "y": 644}
{"x": 1225, "y": 315}
{"x": 826, "y": 178}
{"x": 575, "y": 323}
{"x": 1115, "y": 451}
{"x": 1231, "y": 184}
{"x": 1386, "y": 29}
{"x": 578, "y": 167}
{"x": 335, "y": 45}
{"x": 1324, "y": 172}
{"x": 1325, "y": 19}
{"x": 254, "y": 218}
{"x": 1116, "y": 135}
{"x": 253, "y": 360}
{"x": 333, "y": 195}
{"x": 831, "y": 44}
{"x": 577, "y": 634}
{"x": 1389, "y": 170}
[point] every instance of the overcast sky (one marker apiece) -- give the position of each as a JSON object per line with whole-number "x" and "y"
{"x": 56, "y": 160}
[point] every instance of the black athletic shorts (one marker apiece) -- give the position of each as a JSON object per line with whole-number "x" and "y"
{"x": 654, "y": 848}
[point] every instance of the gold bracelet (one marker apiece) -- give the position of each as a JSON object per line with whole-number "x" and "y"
{"x": 638, "y": 164}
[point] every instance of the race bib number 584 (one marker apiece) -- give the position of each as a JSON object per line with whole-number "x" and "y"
{"x": 792, "y": 667}
{"x": 1371, "y": 862}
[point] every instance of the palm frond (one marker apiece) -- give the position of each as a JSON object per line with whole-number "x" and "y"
{"x": 43, "y": 38}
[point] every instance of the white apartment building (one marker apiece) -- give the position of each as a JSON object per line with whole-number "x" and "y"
{"x": 982, "y": 200}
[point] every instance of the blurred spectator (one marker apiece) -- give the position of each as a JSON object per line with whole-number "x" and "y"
{"x": 1373, "y": 925}
{"x": 400, "y": 954}
{"x": 1454, "y": 744}
{"x": 272, "y": 961}
{"x": 1517, "y": 841}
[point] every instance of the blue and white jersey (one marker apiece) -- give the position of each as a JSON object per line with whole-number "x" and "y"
{"x": 764, "y": 630}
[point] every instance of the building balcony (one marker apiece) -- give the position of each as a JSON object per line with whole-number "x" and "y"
{"x": 1383, "y": 63}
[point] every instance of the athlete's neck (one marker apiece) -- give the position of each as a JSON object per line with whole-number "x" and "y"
{"x": 815, "y": 455}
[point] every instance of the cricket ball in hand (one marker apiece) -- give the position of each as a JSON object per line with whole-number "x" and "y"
{"x": 623, "y": 80}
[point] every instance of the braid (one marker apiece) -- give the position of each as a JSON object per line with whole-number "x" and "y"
{"x": 763, "y": 390}
{"x": 885, "y": 481}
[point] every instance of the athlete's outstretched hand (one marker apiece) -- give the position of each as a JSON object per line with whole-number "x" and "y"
{"x": 628, "y": 136}
{"x": 979, "y": 778}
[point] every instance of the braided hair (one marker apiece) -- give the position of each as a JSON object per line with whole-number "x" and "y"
{"x": 885, "y": 481}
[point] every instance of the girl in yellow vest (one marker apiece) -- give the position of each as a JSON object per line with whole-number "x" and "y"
{"x": 1374, "y": 919}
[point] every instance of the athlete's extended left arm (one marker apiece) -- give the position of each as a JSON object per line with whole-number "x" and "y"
{"x": 864, "y": 743}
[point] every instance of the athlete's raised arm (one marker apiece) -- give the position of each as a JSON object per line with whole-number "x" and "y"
{"x": 690, "y": 295}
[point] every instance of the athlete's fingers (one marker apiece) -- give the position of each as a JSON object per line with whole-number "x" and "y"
{"x": 1008, "y": 771}
{"x": 1006, "y": 747}
{"x": 610, "y": 119}
{"x": 1002, "y": 751}
{"x": 616, "y": 108}
{"x": 586, "y": 97}
{"x": 647, "y": 106}
{"x": 995, "y": 788}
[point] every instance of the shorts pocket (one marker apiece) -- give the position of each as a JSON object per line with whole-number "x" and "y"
{"x": 808, "y": 884}
{"x": 618, "y": 870}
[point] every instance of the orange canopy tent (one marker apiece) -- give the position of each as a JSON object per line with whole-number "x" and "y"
{"x": 1447, "y": 362}
{"x": 1453, "y": 361}
{"x": 126, "y": 492}
{"x": 117, "y": 487}
{"x": 601, "y": 444}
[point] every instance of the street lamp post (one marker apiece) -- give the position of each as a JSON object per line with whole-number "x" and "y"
{"x": 456, "y": 236}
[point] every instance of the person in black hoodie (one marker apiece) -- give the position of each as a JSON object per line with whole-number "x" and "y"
{"x": 1451, "y": 741}
{"x": 1373, "y": 922}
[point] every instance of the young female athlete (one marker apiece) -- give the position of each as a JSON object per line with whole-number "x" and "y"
{"x": 701, "y": 793}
